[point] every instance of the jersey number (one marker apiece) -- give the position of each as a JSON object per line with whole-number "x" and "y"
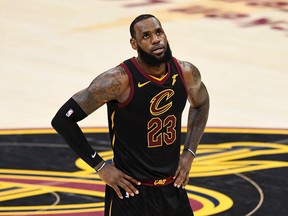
{"x": 155, "y": 137}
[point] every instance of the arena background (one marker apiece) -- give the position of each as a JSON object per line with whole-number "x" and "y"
{"x": 50, "y": 49}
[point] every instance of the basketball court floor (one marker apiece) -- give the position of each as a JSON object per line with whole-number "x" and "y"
{"x": 51, "y": 49}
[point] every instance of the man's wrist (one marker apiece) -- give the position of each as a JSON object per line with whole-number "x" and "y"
{"x": 100, "y": 166}
{"x": 190, "y": 151}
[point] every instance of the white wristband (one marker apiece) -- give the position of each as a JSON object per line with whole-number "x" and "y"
{"x": 101, "y": 167}
{"x": 193, "y": 153}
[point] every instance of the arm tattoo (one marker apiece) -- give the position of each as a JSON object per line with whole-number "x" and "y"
{"x": 108, "y": 86}
{"x": 105, "y": 87}
{"x": 190, "y": 67}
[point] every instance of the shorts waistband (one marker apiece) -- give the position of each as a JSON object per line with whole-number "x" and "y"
{"x": 159, "y": 182}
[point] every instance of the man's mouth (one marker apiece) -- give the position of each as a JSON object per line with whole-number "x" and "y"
{"x": 158, "y": 50}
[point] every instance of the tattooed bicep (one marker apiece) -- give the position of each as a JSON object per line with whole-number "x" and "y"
{"x": 105, "y": 87}
{"x": 108, "y": 85}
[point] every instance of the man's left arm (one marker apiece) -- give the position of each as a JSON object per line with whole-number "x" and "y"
{"x": 197, "y": 118}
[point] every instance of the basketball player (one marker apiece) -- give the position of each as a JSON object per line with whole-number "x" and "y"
{"x": 145, "y": 96}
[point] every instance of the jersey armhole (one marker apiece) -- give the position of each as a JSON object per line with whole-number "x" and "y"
{"x": 131, "y": 84}
{"x": 180, "y": 73}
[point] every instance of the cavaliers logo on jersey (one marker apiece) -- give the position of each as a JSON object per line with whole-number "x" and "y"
{"x": 160, "y": 103}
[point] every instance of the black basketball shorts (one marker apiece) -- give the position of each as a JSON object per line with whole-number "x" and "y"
{"x": 164, "y": 200}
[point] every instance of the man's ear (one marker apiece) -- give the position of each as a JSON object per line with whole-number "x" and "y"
{"x": 133, "y": 43}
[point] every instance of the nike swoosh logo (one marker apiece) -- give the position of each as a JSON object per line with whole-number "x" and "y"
{"x": 94, "y": 155}
{"x": 140, "y": 85}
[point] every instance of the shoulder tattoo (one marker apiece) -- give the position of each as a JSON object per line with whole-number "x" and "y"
{"x": 187, "y": 67}
{"x": 108, "y": 85}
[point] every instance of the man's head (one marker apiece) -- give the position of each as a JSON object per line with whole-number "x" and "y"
{"x": 149, "y": 39}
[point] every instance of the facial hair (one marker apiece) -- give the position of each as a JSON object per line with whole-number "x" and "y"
{"x": 152, "y": 60}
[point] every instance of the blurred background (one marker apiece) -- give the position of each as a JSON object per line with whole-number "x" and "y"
{"x": 50, "y": 49}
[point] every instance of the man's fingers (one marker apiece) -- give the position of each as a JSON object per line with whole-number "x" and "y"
{"x": 118, "y": 192}
{"x": 178, "y": 182}
{"x": 181, "y": 179}
{"x": 128, "y": 187}
{"x": 176, "y": 173}
{"x": 185, "y": 182}
{"x": 131, "y": 179}
{"x": 178, "y": 178}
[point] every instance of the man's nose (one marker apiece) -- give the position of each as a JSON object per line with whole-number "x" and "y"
{"x": 155, "y": 39}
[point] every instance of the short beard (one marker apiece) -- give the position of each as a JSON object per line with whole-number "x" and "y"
{"x": 152, "y": 60}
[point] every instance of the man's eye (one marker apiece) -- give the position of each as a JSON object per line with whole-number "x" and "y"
{"x": 159, "y": 32}
{"x": 145, "y": 35}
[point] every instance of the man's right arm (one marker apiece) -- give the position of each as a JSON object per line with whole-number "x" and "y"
{"x": 107, "y": 86}
{"x": 110, "y": 85}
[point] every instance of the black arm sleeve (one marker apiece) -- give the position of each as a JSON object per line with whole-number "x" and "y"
{"x": 65, "y": 123}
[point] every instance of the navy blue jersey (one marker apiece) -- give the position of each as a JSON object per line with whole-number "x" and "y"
{"x": 145, "y": 130}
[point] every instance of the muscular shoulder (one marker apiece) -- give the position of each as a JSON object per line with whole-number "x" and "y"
{"x": 197, "y": 92}
{"x": 112, "y": 84}
{"x": 191, "y": 74}
{"x": 110, "y": 80}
